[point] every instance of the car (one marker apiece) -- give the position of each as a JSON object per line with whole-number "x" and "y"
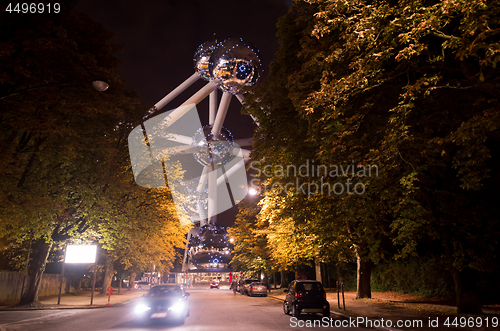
{"x": 214, "y": 284}
{"x": 257, "y": 289}
{"x": 244, "y": 285}
{"x": 164, "y": 302}
{"x": 142, "y": 285}
{"x": 306, "y": 296}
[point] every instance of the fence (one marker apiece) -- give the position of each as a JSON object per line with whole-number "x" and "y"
{"x": 11, "y": 285}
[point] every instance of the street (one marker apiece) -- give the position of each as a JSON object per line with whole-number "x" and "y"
{"x": 216, "y": 309}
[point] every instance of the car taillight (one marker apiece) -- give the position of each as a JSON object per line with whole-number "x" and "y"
{"x": 254, "y": 288}
{"x": 298, "y": 295}
{"x": 324, "y": 295}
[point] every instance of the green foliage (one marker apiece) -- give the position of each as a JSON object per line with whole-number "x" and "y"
{"x": 426, "y": 277}
{"x": 66, "y": 174}
{"x": 250, "y": 253}
{"x": 408, "y": 86}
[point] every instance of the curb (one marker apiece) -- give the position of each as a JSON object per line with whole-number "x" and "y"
{"x": 343, "y": 316}
{"x": 58, "y": 307}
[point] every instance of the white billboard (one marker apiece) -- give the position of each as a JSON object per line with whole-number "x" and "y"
{"x": 81, "y": 254}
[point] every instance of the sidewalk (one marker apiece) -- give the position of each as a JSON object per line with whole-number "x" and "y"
{"x": 394, "y": 307}
{"x": 82, "y": 300}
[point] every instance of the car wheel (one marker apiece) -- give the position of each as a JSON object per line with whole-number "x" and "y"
{"x": 295, "y": 311}
{"x": 285, "y": 308}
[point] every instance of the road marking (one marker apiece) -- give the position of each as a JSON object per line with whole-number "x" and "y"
{"x": 2, "y": 326}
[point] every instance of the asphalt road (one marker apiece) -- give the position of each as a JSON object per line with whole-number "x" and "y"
{"x": 216, "y": 309}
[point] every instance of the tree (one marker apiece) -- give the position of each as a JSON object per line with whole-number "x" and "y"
{"x": 287, "y": 138}
{"x": 63, "y": 164}
{"x": 413, "y": 87}
{"x": 250, "y": 252}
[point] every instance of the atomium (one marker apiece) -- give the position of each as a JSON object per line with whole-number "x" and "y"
{"x": 216, "y": 179}
{"x": 202, "y": 58}
{"x": 213, "y": 150}
{"x": 234, "y": 65}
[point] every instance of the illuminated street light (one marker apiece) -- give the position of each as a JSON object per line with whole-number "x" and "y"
{"x": 252, "y": 191}
{"x": 100, "y": 85}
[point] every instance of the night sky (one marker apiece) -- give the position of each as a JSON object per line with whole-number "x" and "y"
{"x": 161, "y": 37}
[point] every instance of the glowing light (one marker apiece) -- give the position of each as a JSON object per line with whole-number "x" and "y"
{"x": 81, "y": 254}
{"x": 252, "y": 191}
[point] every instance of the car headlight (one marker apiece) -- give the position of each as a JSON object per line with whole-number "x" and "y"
{"x": 177, "y": 307}
{"x": 141, "y": 308}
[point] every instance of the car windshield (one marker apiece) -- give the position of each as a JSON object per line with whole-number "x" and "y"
{"x": 257, "y": 284}
{"x": 164, "y": 291}
{"x": 310, "y": 287}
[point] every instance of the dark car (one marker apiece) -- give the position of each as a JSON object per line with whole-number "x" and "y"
{"x": 245, "y": 284}
{"x": 214, "y": 284}
{"x": 163, "y": 302}
{"x": 306, "y": 296}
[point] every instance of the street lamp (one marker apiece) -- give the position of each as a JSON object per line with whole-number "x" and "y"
{"x": 100, "y": 85}
{"x": 252, "y": 191}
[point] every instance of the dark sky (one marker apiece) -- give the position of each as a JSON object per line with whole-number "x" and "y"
{"x": 161, "y": 36}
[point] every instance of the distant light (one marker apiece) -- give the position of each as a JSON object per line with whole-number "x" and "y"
{"x": 231, "y": 240}
{"x": 100, "y": 85}
{"x": 252, "y": 191}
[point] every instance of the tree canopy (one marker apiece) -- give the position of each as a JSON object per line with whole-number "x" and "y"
{"x": 66, "y": 174}
{"x": 408, "y": 87}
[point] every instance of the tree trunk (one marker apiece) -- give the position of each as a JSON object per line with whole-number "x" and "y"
{"x": 364, "y": 277}
{"x": 340, "y": 275}
{"x": 120, "y": 283}
{"x": 317, "y": 268}
{"x": 41, "y": 250}
{"x": 284, "y": 279}
{"x": 108, "y": 276}
{"x": 466, "y": 291}
{"x": 131, "y": 280}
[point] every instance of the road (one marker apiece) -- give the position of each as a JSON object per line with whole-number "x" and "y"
{"x": 216, "y": 309}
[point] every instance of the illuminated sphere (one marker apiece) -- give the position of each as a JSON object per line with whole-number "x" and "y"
{"x": 219, "y": 150}
{"x": 190, "y": 204}
{"x": 202, "y": 57}
{"x": 234, "y": 65}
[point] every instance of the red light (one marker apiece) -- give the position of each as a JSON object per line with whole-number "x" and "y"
{"x": 298, "y": 295}
{"x": 254, "y": 288}
{"x": 324, "y": 295}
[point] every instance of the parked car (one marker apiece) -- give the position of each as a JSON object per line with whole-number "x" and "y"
{"x": 245, "y": 284}
{"x": 214, "y": 284}
{"x": 142, "y": 285}
{"x": 163, "y": 302}
{"x": 257, "y": 289}
{"x": 306, "y": 296}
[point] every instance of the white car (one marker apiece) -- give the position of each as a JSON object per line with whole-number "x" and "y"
{"x": 142, "y": 285}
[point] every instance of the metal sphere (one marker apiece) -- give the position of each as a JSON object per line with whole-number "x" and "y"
{"x": 192, "y": 201}
{"x": 234, "y": 65}
{"x": 202, "y": 57}
{"x": 211, "y": 149}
